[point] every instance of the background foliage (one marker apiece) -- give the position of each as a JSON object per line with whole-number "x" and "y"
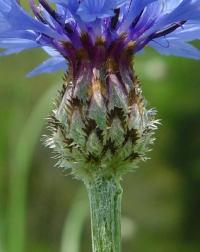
{"x": 42, "y": 210}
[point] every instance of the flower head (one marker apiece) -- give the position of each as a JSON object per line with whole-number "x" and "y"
{"x": 63, "y": 27}
{"x": 100, "y": 126}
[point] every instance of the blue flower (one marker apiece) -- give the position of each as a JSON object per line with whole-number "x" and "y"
{"x": 62, "y": 27}
{"x": 90, "y": 10}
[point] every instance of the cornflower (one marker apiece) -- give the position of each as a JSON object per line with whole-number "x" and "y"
{"x": 100, "y": 127}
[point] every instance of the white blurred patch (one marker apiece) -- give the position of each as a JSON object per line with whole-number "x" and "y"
{"x": 155, "y": 69}
{"x": 128, "y": 228}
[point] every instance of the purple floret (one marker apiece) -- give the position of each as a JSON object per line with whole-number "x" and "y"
{"x": 61, "y": 27}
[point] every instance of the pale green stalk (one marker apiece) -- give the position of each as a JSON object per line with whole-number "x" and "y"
{"x": 20, "y": 165}
{"x": 71, "y": 237}
{"x": 1, "y": 246}
{"x": 105, "y": 206}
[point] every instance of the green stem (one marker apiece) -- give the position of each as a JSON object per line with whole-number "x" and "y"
{"x": 105, "y": 207}
{"x": 20, "y": 168}
{"x": 73, "y": 228}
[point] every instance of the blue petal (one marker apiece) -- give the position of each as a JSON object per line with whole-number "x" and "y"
{"x": 134, "y": 10}
{"x": 13, "y": 45}
{"x": 30, "y": 35}
{"x": 51, "y": 51}
{"x": 72, "y": 5}
{"x": 190, "y": 31}
{"x": 51, "y": 65}
{"x": 175, "y": 47}
{"x": 90, "y": 10}
{"x": 186, "y": 10}
{"x": 13, "y": 18}
{"x": 170, "y": 5}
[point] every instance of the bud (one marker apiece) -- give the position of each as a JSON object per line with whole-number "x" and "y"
{"x": 100, "y": 126}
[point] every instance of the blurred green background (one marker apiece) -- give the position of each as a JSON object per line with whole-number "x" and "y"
{"x": 42, "y": 210}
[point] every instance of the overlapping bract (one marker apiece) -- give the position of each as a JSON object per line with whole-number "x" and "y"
{"x": 166, "y": 25}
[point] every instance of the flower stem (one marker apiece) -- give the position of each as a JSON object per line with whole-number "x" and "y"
{"x": 105, "y": 207}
